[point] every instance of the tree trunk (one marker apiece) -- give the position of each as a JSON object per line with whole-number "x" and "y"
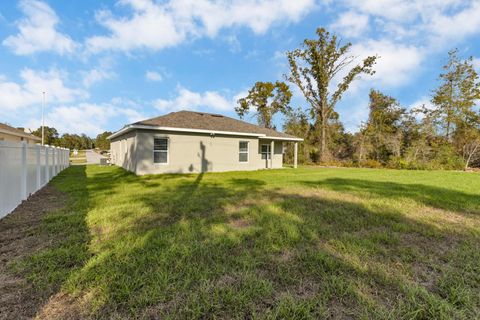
{"x": 448, "y": 130}
{"x": 470, "y": 154}
{"x": 362, "y": 141}
{"x": 323, "y": 142}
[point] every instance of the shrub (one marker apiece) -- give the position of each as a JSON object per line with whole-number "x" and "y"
{"x": 370, "y": 164}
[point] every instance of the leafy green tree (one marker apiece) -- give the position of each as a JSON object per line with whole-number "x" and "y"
{"x": 383, "y": 130}
{"x": 51, "y": 135}
{"x": 297, "y": 124}
{"x": 341, "y": 143}
{"x": 267, "y": 99}
{"x": 315, "y": 67}
{"x": 102, "y": 142}
{"x": 457, "y": 94}
{"x": 467, "y": 139}
{"x": 75, "y": 141}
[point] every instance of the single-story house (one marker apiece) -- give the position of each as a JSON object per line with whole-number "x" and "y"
{"x": 185, "y": 141}
{"x": 8, "y": 133}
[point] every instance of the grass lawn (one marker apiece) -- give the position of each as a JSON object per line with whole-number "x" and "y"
{"x": 307, "y": 243}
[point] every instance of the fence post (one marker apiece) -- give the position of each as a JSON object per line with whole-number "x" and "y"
{"x": 23, "y": 176}
{"x": 58, "y": 161}
{"x": 38, "y": 167}
{"x": 47, "y": 167}
{"x": 54, "y": 164}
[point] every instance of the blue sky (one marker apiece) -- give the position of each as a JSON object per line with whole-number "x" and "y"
{"x": 104, "y": 64}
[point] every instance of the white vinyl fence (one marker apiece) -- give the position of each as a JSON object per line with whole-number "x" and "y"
{"x": 24, "y": 169}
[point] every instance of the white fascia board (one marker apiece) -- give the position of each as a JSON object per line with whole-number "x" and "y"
{"x": 230, "y": 133}
{"x": 282, "y": 139}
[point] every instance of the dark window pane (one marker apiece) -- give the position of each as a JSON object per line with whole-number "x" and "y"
{"x": 160, "y": 157}
{"x": 243, "y": 157}
{"x": 243, "y": 146}
{"x": 160, "y": 144}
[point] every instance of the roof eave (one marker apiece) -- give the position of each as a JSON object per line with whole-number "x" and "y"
{"x": 282, "y": 138}
{"x": 159, "y": 128}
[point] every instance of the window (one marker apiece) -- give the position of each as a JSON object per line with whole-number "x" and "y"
{"x": 266, "y": 152}
{"x": 243, "y": 151}
{"x": 160, "y": 150}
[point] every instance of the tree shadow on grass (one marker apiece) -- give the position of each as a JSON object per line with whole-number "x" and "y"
{"x": 436, "y": 197}
{"x": 203, "y": 248}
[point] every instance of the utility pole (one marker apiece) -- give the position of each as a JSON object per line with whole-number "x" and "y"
{"x": 43, "y": 119}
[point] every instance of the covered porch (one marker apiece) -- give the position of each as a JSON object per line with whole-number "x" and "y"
{"x": 271, "y": 146}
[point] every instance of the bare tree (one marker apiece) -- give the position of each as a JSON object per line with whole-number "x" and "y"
{"x": 313, "y": 68}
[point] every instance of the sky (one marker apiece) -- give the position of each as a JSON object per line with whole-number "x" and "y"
{"x": 104, "y": 64}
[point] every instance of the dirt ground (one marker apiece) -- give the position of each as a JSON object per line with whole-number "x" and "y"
{"x": 19, "y": 237}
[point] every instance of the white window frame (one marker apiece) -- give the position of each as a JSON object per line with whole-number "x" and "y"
{"x": 247, "y": 152}
{"x": 159, "y": 151}
{"x": 268, "y": 153}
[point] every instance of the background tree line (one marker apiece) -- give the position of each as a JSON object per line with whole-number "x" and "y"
{"x": 74, "y": 141}
{"x": 445, "y": 135}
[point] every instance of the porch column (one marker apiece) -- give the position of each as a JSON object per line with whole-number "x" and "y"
{"x": 272, "y": 146}
{"x": 295, "y": 154}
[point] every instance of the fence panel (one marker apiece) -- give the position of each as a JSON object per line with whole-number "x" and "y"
{"x": 24, "y": 169}
{"x": 31, "y": 169}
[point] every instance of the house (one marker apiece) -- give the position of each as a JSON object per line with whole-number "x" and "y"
{"x": 8, "y": 133}
{"x": 185, "y": 141}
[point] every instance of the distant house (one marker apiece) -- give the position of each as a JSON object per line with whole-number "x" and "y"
{"x": 184, "y": 141}
{"x": 8, "y": 133}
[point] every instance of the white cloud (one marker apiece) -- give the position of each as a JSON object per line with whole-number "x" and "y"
{"x": 434, "y": 21}
{"x": 397, "y": 63}
{"x": 150, "y": 26}
{"x": 37, "y": 31}
{"x": 351, "y": 24}
{"x": 457, "y": 26}
{"x": 14, "y": 95}
{"x": 153, "y": 76}
{"x": 405, "y": 11}
{"x": 258, "y": 15}
{"x": 424, "y": 101}
{"x": 88, "y": 118}
{"x": 96, "y": 75}
{"x": 162, "y": 25}
{"x": 191, "y": 100}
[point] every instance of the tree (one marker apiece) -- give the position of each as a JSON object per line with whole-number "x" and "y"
{"x": 267, "y": 99}
{"x": 75, "y": 141}
{"x": 102, "y": 142}
{"x": 457, "y": 93}
{"x": 383, "y": 130}
{"x": 315, "y": 66}
{"x": 51, "y": 135}
{"x": 467, "y": 139}
{"x": 297, "y": 124}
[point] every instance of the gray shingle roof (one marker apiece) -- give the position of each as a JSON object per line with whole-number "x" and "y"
{"x": 209, "y": 121}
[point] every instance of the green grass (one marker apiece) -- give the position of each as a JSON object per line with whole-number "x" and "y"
{"x": 307, "y": 243}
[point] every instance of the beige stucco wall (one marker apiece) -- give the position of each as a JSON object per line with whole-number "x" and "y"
{"x": 123, "y": 151}
{"x": 191, "y": 152}
{"x": 14, "y": 138}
